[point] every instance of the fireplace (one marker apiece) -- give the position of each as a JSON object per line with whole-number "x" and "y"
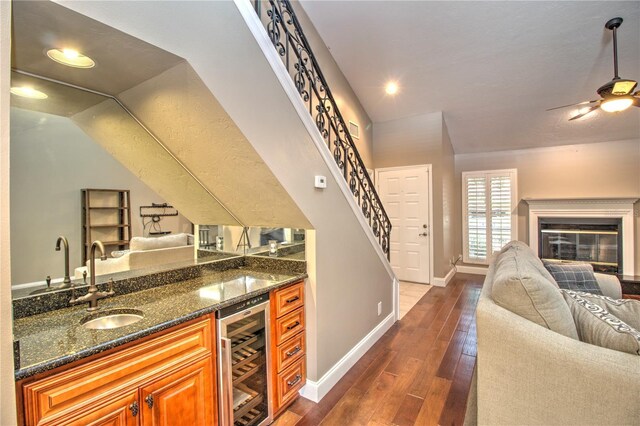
{"x": 599, "y": 231}
{"x": 597, "y": 241}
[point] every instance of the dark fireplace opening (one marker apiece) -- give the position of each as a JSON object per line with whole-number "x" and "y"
{"x": 594, "y": 240}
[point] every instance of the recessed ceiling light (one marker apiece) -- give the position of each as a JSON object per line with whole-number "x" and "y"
{"x": 391, "y": 88}
{"x": 28, "y": 92}
{"x": 70, "y": 58}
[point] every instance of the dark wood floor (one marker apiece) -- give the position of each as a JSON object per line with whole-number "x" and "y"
{"x": 418, "y": 373}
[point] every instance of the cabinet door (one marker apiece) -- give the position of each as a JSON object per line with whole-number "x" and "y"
{"x": 119, "y": 411}
{"x": 184, "y": 397}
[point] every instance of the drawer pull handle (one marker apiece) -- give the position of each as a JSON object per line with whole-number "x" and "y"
{"x": 294, "y": 325}
{"x": 294, "y": 351}
{"x": 134, "y": 408}
{"x": 149, "y": 400}
{"x": 295, "y": 380}
{"x": 293, "y": 299}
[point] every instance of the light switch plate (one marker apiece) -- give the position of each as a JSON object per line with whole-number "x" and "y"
{"x": 321, "y": 182}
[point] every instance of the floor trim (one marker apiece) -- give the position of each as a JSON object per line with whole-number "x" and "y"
{"x": 315, "y": 391}
{"x": 442, "y": 282}
{"x": 477, "y": 270}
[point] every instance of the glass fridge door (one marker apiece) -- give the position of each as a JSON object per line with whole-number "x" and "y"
{"x": 244, "y": 373}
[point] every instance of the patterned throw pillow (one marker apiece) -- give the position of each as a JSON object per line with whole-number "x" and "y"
{"x": 574, "y": 276}
{"x": 628, "y": 310}
{"x": 598, "y": 326}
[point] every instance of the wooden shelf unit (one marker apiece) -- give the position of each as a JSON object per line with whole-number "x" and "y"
{"x": 106, "y": 215}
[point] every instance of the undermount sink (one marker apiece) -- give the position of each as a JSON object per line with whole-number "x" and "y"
{"x": 112, "y": 318}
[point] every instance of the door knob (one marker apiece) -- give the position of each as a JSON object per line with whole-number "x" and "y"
{"x": 424, "y": 234}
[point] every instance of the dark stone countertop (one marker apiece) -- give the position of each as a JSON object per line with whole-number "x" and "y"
{"x": 56, "y": 338}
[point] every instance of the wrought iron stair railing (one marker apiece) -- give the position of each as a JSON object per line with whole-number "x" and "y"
{"x": 287, "y": 36}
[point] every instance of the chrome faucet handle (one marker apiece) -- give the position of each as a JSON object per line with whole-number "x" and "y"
{"x": 111, "y": 292}
{"x": 48, "y": 280}
{"x": 84, "y": 276}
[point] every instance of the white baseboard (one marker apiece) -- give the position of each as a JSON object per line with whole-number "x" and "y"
{"x": 477, "y": 270}
{"x": 442, "y": 282}
{"x": 315, "y": 391}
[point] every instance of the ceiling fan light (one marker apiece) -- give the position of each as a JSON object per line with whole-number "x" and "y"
{"x": 617, "y": 103}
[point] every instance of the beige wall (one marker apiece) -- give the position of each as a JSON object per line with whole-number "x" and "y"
{"x": 599, "y": 170}
{"x": 424, "y": 139}
{"x": 179, "y": 109}
{"x": 7, "y": 382}
{"x": 348, "y": 103}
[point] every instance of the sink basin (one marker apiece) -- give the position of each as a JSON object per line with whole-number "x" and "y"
{"x": 112, "y": 318}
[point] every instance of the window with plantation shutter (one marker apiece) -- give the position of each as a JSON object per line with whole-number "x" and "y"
{"x": 489, "y": 203}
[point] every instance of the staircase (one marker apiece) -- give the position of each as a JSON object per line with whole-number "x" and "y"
{"x": 287, "y": 37}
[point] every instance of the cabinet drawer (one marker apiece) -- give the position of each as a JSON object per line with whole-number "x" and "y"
{"x": 290, "y": 351}
{"x": 55, "y": 397}
{"x": 289, "y": 325}
{"x": 289, "y": 299}
{"x": 290, "y": 381}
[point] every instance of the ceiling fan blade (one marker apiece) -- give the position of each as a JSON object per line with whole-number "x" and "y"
{"x": 593, "y": 108}
{"x": 579, "y": 103}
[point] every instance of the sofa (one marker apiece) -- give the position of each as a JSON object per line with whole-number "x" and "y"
{"x": 528, "y": 374}
{"x": 144, "y": 252}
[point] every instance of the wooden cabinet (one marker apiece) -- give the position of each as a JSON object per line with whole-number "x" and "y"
{"x": 167, "y": 377}
{"x": 183, "y": 397}
{"x": 287, "y": 345}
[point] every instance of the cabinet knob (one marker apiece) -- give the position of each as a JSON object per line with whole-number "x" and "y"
{"x": 149, "y": 400}
{"x": 134, "y": 408}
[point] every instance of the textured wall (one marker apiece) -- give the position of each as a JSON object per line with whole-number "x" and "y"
{"x": 599, "y": 170}
{"x": 181, "y": 111}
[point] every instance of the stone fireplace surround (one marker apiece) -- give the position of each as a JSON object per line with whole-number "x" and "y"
{"x": 619, "y": 208}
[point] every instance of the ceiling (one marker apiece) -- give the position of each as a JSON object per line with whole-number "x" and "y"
{"x": 122, "y": 61}
{"x": 493, "y": 68}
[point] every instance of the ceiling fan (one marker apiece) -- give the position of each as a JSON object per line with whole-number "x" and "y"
{"x": 616, "y": 94}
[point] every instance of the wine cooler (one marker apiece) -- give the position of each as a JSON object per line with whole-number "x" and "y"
{"x": 243, "y": 361}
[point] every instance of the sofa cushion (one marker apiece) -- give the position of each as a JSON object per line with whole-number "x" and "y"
{"x": 598, "y": 326}
{"x": 154, "y": 243}
{"x": 519, "y": 286}
{"x": 628, "y": 310}
{"x": 576, "y": 276}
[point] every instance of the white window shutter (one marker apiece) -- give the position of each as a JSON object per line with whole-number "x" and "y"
{"x": 489, "y": 220}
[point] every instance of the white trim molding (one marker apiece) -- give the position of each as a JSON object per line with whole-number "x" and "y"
{"x": 618, "y": 208}
{"x": 442, "y": 282}
{"x": 476, "y": 270}
{"x": 315, "y": 391}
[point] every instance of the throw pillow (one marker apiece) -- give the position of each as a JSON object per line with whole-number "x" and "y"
{"x": 598, "y": 326}
{"x": 118, "y": 253}
{"x": 519, "y": 287}
{"x": 154, "y": 243}
{"x": 574, "y": 276}
{"x": 628, "y": 310}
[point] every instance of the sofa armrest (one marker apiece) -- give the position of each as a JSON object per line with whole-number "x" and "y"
{"x": 528, "y": 374}
{"x": 610, "y": 285}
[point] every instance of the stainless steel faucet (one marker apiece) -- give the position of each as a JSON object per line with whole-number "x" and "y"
{"x": 93, "y": 294}
{"x": 67, "y": 280}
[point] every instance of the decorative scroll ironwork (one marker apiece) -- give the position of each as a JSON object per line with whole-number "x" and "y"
{"x": 287, "y": 36}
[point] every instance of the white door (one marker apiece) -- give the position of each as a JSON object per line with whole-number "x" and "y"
{"x": 404, "y": 192}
